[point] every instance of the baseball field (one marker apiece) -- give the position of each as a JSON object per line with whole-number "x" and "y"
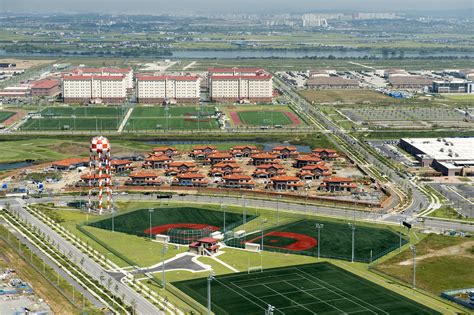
{"x": 264, "y": 115}
{"x": 320, "y": 288}
{"x": 5, "y": 115}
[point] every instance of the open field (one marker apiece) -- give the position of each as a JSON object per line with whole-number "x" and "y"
{"x": 10, "y": 259}
{"x": 347, "y": 96}
{"x": 174, "y": 118}
{"x": 84, "y": 111}
{"x": 307, "y": 289}
{"x": 443, "y": 262}
{"x": 262, "y": 115}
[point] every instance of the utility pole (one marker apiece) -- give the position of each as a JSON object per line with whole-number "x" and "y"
{"x": 150, "y": 211}
{"x": 352, "y": 227}
{"x": 209, "y": 279}
{"x": 413, "y": 250}
{"x": 319, "y": 226}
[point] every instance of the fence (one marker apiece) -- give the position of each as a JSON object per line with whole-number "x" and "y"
{"x": 186, "y": 236}
{"x": 186, "y": 299}
{"x": 452, "y": 295}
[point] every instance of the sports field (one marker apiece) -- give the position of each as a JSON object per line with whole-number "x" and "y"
{"x": 174, "y": 118}
{"x": 320, "y": 288}
{"x": 301, "y": 237}
{"x": 267, "y": 115}
{"x": 5, "y": 115}
{"x": 178, "y": 222}
{"x": 77, "y": 118}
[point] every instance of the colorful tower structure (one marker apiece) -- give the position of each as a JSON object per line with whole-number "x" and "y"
{"x": 100, "y": 180}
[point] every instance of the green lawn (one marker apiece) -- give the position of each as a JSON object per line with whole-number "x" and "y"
{"x": 173, "y": 111}
{"x": 5, "y": 115}
{"x": 264, "y": 117}
{"x": 303, "y": 289}
{"x": 68, "y": 123}
{"x": 346, "y": 96}
{"x": 452, "y": 269}
{"x": 84, "y": 111}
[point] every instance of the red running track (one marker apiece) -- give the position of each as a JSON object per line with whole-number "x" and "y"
{"x": 235, "y": 118}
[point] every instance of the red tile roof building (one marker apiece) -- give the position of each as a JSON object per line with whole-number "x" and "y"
{"x": 169, "y": 151}
{"x": 285, "y": 152}
{"x": 286, "y": 183}
{"x": 263, "y": 158}
{"x": 237, "y": 181}
{"x": 45, "y": 88}
{"x": 120, "y": 166}
{"x": 325, "y": 154}
{"x": 224, "y": 168}
{"x": 127, "y": 73}
{"x": 217, "y": 157}
{"x": 175, "y": 168}
{"x": 314, "y": 171}
{"x": 190, "y": 180}
{"x": 202, "y": 151}
{"x": 157, "y": 161}
{"x": 335, "y": 184}
{"x": 243, "y": 150}
{"x": 268, "y": 170}
{"x": 143, "y": 179}
{"x": 87, "y": 88}
{"x": 70, "y": 163}
{"x": 305, "y": 160}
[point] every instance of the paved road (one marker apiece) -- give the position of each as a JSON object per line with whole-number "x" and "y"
{"x": 89, "y": 266}
{"x": 96, "y": 303}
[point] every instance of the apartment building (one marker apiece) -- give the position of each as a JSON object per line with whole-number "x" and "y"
{"x": 86, "y": 88}
{"x": 127, "y": 73}
{"x": 153, "y": 89}
{"x": 240, "y": 85}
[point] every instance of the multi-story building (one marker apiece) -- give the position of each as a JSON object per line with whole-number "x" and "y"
{"x": 190, "y": 180}
{"x": 453, "y": 86}
{"x": 237, "y": 181}
{"x": 239, "y": 85}
{"x": 335, "y": 184}
{"x": 86, "y": 88}
{"x": 286, "y": 183}
{"x": 45, "y": 88}
{"x": 163, "y": 89}
{"x": 127, "y": 73}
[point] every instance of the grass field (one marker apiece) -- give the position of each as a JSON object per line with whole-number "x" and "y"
{"x": 300, "y": 237}
{"x": 184, "y": 219}
{"x": 175, "y": 118}
{"x": 5, "y": 115}
{"x": 259, "y": 118}
{"x": 262, "y": 115}
{"x": 443, "y": 263}
{"x": 77, "y": 118}
{"x": 346, "y": 96}
{"x": 307, "y": 289}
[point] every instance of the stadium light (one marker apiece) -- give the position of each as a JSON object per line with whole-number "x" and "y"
{"x": 163, "y": 251}
{"x": 319, "y": 226}
{"x": 400, "y": 232}
{"x": 270, "y": 310}
{"x": 352, "y": 227}
{"x": 150, "y": 211}
{"x": 413, "y": 250}
{"x": 263, "y": 221}
{"x": 209, "y": 279}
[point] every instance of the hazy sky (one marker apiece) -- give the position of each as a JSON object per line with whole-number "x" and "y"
{"x": 211, "y": 6}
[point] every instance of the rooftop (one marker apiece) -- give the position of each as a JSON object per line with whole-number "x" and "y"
{"x": 451, "y": 149}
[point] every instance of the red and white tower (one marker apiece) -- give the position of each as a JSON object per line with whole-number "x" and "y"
{"x": 100, "y": 179}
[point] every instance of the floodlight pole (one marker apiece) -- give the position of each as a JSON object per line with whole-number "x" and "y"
{"x": 113, "y": 219}
{"x": 352, "y": 227}
{"x": 319, "y": 226}
{"x": 400, "y": 232}
{"x": 270, "y": 310}
{"x": 261, "y": 228}
{"x": 222, "y": 209}
{"x": 150, "y": 211}
{"x": 209, "y": 279}
{"x": 163, "y": 251}
{"x": 413, "y": 250}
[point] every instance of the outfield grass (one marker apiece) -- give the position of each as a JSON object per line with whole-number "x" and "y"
{"x": 84, "y": 111}
{"x": 443, "y": 262}
{"x": 5, "y": 115}
{"x": 306, "y": 289}
{"x": 65, "y": 123}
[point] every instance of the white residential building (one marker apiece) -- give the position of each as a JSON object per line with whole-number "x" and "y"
{"x": 244, "y": 84}
{"x": 126, "y": 72}
{"x": 84, "y": 88}
{"x": 158, "y": 89}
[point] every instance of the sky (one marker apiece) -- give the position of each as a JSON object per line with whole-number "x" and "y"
{"x": 229, "y": 6}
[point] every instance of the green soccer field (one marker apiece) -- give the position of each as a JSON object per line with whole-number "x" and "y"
{"x": 164, "y": 219}
{"x": 173, "y": 118}
{"x": 264, "y": 117}
{"x": 320, "y": 288}
{"x": 84, "y": 111}
{"x": 5, "y": 115}
{"x": 301, "y": 237}
{"x": 65, "y": 123}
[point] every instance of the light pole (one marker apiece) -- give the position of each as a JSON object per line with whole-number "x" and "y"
{"x": 352, "y": 227}
{"x": 413, "y": 250}
{"x": 163, "y": 251}
{"x": 270, "y": 310}
{"x": 150, "y": 211}
{"x": 209, "y": 279}
{"x": 319, "y": 226}
{"x": 400, "y": 232}
{"x": 223, "y": 209}
{"x": 263, "y": 221}
{"x": 113, "y": 220}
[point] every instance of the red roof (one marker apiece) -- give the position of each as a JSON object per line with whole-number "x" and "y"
{"x": 92, "y": 77}
{"x": 308, "y": 158}
{"x": 219, "y": 155}
{"x": 280, "y": 148}
{"x": 120, "y": 162}
{"x": 143, "y": 175}
{"x": 166, "y": 77}
{"x": 237, "y": 177}
{"x": 267, "y": 166}
{"x": 204, "y": 147}
{"x": 321, "y": 166}
{"x": 264, "y": 156}
{"x": 338, "y": 180}
{"x": 231, "y": 70}
{"x": 224, "y": 164}
{"x": 46, "y": 84}
{"x": 285, "y": 179}
{"x": 245, "y": 77}
{"x": 208, "y": 240}
{"x": 163, "y": 149}
{"x": 178, "y": 164}
{"x": 158, "y": 158}
{"x": 190, "y": 176}
{"x": 241, "y": 147}
{"x": 70, "y": 162}
{"x": 318, "y": 150}
{"x": 93, "y": 176}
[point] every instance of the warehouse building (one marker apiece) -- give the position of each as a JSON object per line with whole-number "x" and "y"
{"x": 409, "y": 81}
{"x": 45, "y": 88}
{"x": 88, "y": 88}
{"x": 329, "y": 82}
{"x": 153, "y": 89}
{"x": 240, "y": 85}
{"x": 449, "y": 156}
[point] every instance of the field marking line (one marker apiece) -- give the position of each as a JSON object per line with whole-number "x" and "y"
{"x": 298, "y": 291}
{"x": 287, "y": 298}
{"x": 238, "y": 293}
{"x": 255, "y": 284}
{"x": 125, "y": 120}
{"x": 308, "y": 304}
{"x": 328, "y": 285}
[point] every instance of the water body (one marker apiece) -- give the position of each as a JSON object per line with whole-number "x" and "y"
{"x": 268, "y": 53}
{"x": 14, "y": 165}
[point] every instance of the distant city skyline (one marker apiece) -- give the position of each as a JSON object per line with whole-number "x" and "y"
{"x": 157, "y": 7}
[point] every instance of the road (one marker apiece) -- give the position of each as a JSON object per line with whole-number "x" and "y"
{"x": 93, "y": 269}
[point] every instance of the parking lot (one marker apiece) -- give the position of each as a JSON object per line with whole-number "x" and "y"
{"x": 460, "y": 195}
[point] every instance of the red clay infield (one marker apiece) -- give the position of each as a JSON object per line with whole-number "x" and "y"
{"x": 162, "y": 229}
{"x": 302, "y": 241}
{"x": 235, "y": 118}
{"x": 294, "y": 119}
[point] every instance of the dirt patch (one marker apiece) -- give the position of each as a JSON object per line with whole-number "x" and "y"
{"x": 460, "y": 250}
{"x": 26, "y": 64}
{"x": 69, "y": 148}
